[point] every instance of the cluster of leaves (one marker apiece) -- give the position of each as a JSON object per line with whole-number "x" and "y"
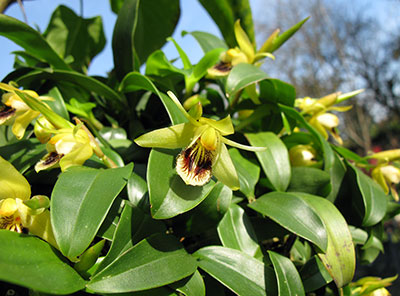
{"x": 140, "y": 228}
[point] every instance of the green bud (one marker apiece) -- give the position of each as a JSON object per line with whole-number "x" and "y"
{"x": 89, "y": 257}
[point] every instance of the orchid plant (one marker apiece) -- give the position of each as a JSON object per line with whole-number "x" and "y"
{"x": 209, "y": 179}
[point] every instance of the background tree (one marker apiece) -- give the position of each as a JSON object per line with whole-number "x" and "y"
{"x": 344, "y": 46}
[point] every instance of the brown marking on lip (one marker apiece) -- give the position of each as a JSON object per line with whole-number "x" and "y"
{"x": 6, "y": 113}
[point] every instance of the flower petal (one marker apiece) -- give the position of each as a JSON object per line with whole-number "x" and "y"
{"x": 76, "y": 157}
{"x": 8, "y": 207}
{"x": 224, "y": 126}
{"x": 38, "y": 225}
{"x": 224, "y": 170}
{"x": 22, "y": 121}
{"x": 12, "y": 183}
{"x": 377, "y": 175}
{"x": 176, "y": 136}
{"x": 244, "y": 42}
{"x": 50, "y": 160}
{"x": 241, "y": 146}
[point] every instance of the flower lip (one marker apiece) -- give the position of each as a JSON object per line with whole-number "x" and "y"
{"x": 6, "y": 113}
{"x": 194, "y": 164}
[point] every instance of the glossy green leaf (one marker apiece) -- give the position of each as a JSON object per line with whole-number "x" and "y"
{"x": 23, "y": 154}
{"x": 31, "y": 40}
{"x": 211, "y": 210}
{"x": 339, "y": 258}
{"x": 277, "y": 91}
{"x": 207, "y": 41}
{"x": 373, "y": 198}
{"x": 137, "y": 188}
{"x": 191, "y": 286}
{"x": 314, "y": 275}
{"x": 157, "y": 64}
{"x": 154, "y": 262}
{"x": 76, "y": 209}
{"x": 169, "y": 195}
{"x": 248, "y": 172}
{"x": 289, "y": 281}
{"x": 275, "y": 160}
{"x": 241, "y": 76}
{"x": 236, "y": 232}
{"x": 141, "y": 28}
{"x": 226, "y": 12}
{"x": 135, "y": 81}
{"x": 241, "y": 273}
{"x": 200, "y": 69}
{"x": 58, "y": 105}
{"x": 337, "y": 172}
{"x": 309, "y": 180}
{"x": 28, "y": 261}
{"x": 71, "y": 35}
{"x": 133, "y": 226}
{"x": 86, "y": 82}
{"x": 294, "y": 214}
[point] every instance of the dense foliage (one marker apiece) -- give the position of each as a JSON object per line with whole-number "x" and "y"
{"x": 85, "y": 204}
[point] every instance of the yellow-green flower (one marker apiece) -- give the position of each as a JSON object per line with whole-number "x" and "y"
{"x": 303, "y": 155}
{"x": 316, "y": 112}
{"x": 68, "y": 147}
{"x": 15, "y": 215}
{"x": 204, "y": 153}
{"x": 387, "y": 176}
{"x": 15, "y": 112}
{"x": 245, "y": 53}
{"x": 371, "y": 286}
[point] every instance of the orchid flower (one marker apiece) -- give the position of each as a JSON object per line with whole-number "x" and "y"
{"x": 68, "y": 147}
{"x": 245, "y": 53}
{"x": 15, "y": 214}
{"x": 15, "y": 111}
{"x": 205, "y": 153}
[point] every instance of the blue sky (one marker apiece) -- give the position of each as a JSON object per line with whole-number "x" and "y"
{"x": 193, "y": 17}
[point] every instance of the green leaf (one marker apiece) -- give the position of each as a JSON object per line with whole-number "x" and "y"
{"x": 207, "y": 41}
{"x": 141, "y": 28}
{"x": 169, "y": 195}
{"x": 337, "y": 172}
{"x": 76, "y": 209}
{"x": 277, "y": 91}
{"x": 339, "y": 258}
{"x": 23, "y": 154}
{"x": 135, "y": 81}
{"x": 200, "y": 69}
{"x": 314, "y": 275}
{"x": 133, "y": 226}
{"x": 293, "y": 213}
{"x": 154, "y": 262}
{"x": 241, "y": 76}
{"x": 236, "y": 232}
{"x": 137, "y": 188}
{"x": 241, "y": 273}
{"x": 309, "y": 180}
{"x": 86, "y": 82}
{"x": 226, "y": 12}
{"x": 31, "y": 41}
{"x": 71, "y": 35}
{"x": 362, "y": 197}
{"x": 211, "y": 210}
{"x": 191, "y": 286}
{"x": 248, "y": 172}
{"x": 329, "y": 156}
{"x": 289, "y": 282}
{"x": 275, "y": 160}
{"x": 32, "y": 263}
{"x": 58, "y": 105}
